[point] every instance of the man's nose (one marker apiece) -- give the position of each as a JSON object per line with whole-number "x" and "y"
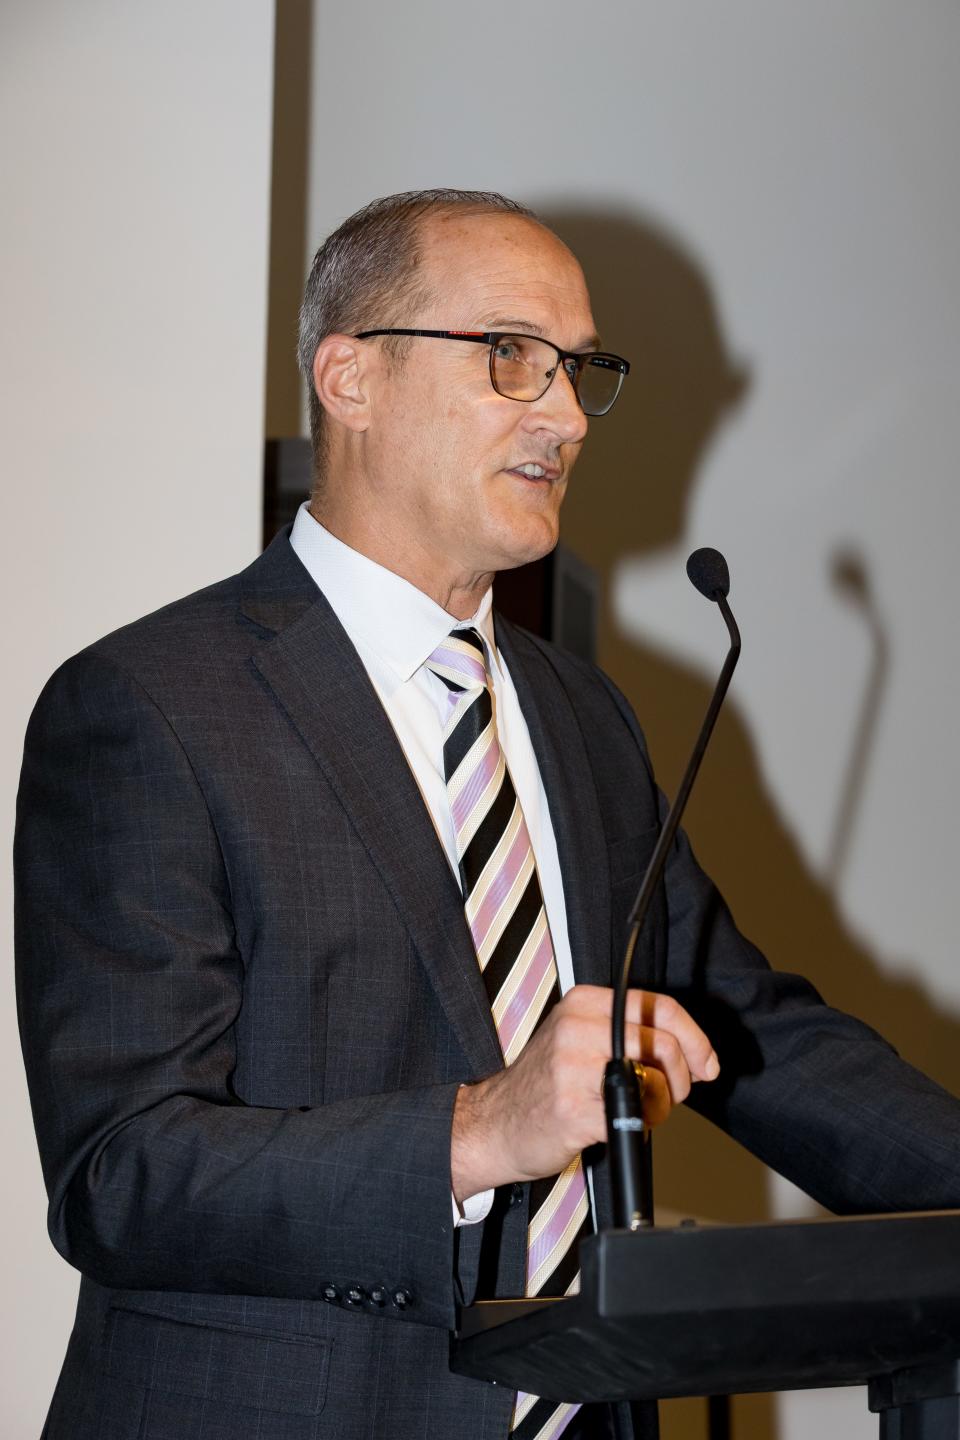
{"x": 559, "y": 410}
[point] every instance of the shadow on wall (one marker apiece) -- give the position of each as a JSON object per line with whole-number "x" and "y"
{"x": 653, "y": 302}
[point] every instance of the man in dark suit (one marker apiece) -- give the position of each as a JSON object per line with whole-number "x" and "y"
{"x": 299, "y": 870}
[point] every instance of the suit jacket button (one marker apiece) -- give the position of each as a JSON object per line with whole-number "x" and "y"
{"x": 516, "y": 1196}
{"x": 379, "y": 1295}
{"x": 355, "y": 1295}
{"x": 331, "y": 1294}
{"x": 401, "y": 1299}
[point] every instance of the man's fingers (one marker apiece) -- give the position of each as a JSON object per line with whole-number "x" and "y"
{"x": 659, "y": 1033}
{"x": 663, "y": 1013}
{"x": 659, "y": 1050}
{"x": 590, "y": 999}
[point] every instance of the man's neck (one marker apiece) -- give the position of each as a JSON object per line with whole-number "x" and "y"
{"x": 459, "y": 595}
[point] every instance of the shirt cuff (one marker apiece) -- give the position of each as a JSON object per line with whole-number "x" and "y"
{"x": 474, "y": 1209}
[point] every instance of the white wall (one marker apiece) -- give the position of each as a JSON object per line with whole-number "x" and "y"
{"x": 135, "y": 189}
{"x": 768, "y": 200}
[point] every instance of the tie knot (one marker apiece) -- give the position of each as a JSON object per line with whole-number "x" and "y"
{"x": 460, "y": 661}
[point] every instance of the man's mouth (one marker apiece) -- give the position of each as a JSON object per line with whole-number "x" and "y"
{"x": 531, "y": 470}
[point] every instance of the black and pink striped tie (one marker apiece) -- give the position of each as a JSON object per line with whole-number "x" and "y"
{"x": 508, "y": 922}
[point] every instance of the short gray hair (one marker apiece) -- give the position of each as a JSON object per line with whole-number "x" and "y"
{"x": 365, "y": 275}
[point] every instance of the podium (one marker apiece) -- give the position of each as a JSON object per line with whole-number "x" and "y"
{"x": 731, "y": 1309}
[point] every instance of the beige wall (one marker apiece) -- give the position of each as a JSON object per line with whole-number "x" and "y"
{"x": 135, "y": 181}
{"x": 766, "y": 199}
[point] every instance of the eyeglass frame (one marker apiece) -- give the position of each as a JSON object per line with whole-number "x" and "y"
{"x": 580, "y": 358}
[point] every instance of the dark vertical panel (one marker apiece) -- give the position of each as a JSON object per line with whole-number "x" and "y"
{"x": 288, "y": 211}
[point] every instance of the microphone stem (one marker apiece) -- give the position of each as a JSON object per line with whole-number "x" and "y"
{"x": 628, "y": 1140}
{"x": 659, "y": 857}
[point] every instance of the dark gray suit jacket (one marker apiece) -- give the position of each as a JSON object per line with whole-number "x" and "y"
{"x": 248, "y": 996}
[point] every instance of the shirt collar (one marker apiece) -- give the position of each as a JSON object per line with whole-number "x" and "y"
{"x": 377, "y": 607}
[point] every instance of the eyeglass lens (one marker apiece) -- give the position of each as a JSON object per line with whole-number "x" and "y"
{"x": 600, "y": 381}
{"x": 522, "y": 367}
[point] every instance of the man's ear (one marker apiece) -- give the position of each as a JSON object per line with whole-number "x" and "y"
{"x": 340, "y": 369}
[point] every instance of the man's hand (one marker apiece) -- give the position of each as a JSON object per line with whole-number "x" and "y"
{"x": 531, "y": 1119}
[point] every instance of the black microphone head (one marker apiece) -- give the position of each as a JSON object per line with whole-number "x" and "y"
{"x": 707, "y": 569}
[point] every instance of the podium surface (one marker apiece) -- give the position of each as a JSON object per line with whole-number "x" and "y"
{"x": 732, "y": 1309}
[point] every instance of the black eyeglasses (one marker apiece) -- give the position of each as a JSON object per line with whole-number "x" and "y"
{"x": 522, "y": 367}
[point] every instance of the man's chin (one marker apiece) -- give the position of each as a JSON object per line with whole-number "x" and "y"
{"x": 526, "y": 548}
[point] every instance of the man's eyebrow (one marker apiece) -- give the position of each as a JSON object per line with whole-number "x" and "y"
{"x": 514, "y": 322}
{"x": 517, "y": 323}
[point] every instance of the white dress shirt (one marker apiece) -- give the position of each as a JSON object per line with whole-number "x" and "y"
{"x": 395, "y": 628}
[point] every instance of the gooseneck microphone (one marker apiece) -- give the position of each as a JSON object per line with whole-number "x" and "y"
{"x": 707, "y": 570}
{"x": 628, "y": 1141}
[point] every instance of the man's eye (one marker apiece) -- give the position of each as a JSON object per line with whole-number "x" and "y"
{"x": 507, "y": 350}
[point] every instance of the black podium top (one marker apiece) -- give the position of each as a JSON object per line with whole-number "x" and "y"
{"x": 706, "y": 1310}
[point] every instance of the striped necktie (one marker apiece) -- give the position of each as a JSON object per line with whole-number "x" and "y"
{"x": 508, "y": 923}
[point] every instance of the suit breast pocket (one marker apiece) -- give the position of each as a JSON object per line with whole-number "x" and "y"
{"x": 204, "y": 1383}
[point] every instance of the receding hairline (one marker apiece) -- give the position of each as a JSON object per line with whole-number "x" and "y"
{"x": 443, "y": 213}
{"x": 439, "y": 215}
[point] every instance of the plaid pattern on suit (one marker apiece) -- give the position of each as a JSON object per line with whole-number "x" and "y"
{"x": 248, "y": 996}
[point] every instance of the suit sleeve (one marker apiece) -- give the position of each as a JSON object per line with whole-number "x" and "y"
{"x": 129, "y": 986}
{"x": 816, "y": 1094}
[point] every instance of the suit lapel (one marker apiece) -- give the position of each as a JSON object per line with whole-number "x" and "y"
{"x": 571, "y": 794}
{"x": 318, "y": 678}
